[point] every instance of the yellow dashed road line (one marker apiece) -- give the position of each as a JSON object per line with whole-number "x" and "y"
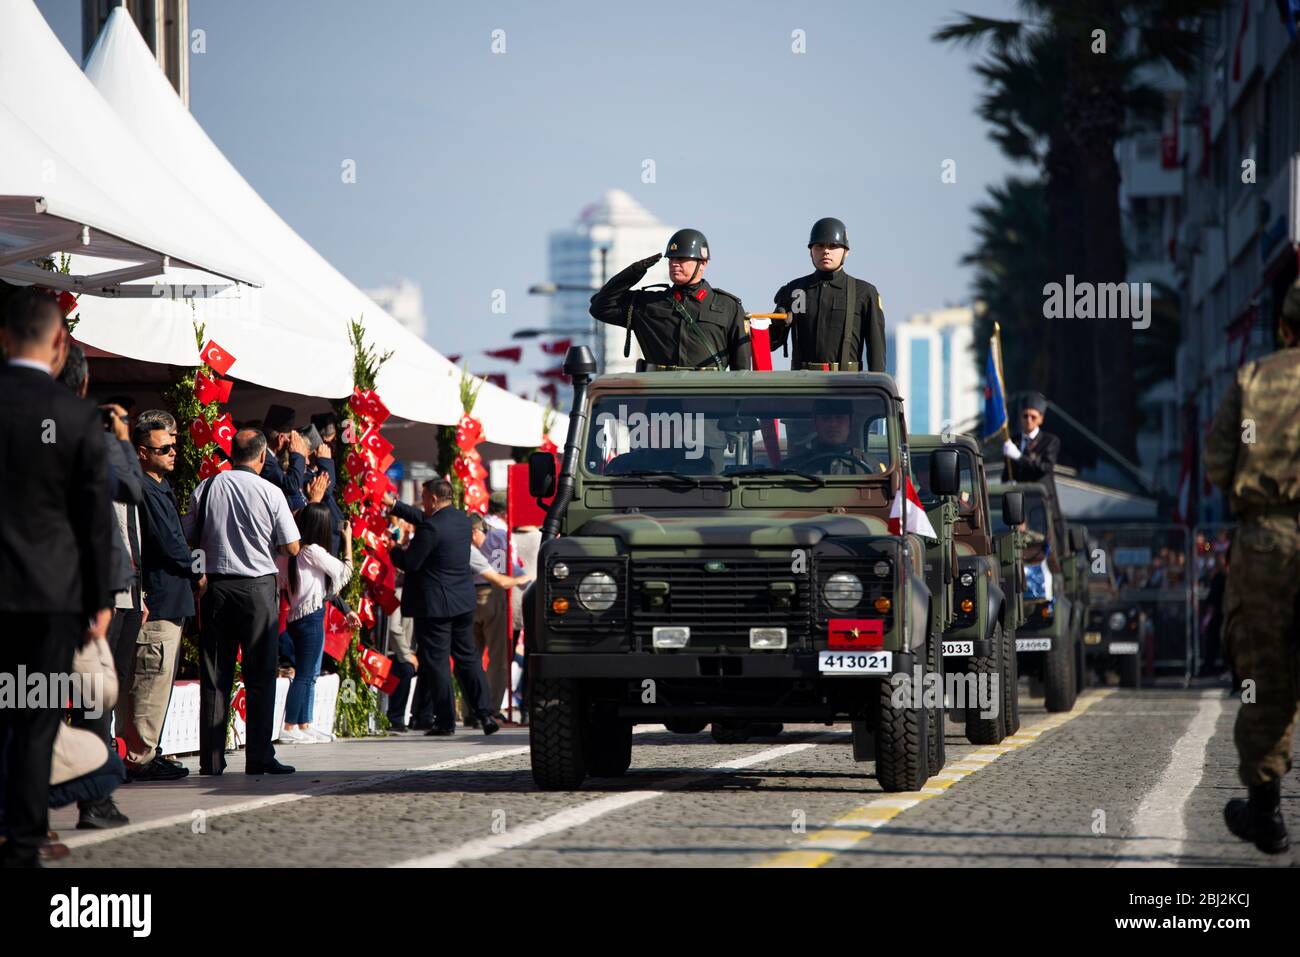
{"x": 856, "y": 826}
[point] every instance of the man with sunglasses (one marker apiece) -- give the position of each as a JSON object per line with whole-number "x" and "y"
{"x": 1030, "y": 455}
{"x": 169, "y": 577}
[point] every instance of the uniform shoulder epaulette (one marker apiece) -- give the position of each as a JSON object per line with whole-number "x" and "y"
{"x": 729, "y": 295}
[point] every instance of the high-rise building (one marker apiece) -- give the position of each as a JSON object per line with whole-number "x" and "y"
{"x": 404, "y": 301}
{"x": 930, "y": 357}
{"x": 607, "y": 236}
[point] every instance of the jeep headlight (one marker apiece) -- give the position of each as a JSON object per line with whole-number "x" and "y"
{"x": 967, "y": 579}
{"x": 597, "y": 591}
{"x": 1118, "y": 620}
{"x": 842, "y": 591}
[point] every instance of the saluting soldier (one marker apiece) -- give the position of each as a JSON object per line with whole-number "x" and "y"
{"x": 833, "y": 316}
{"x": 1253, "y": 454}
{"x": 690, "y": 325}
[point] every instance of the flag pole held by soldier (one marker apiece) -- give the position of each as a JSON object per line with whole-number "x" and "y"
{"x": 1253, "y": 454}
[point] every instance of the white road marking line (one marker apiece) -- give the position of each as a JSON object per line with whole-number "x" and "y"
{"x": 85, "y": 838}
{"x": 588, "y": 811}
{"x": 1160, "y": 825}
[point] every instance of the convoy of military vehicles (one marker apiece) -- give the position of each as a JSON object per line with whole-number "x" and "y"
{"x": 740, "y": 550}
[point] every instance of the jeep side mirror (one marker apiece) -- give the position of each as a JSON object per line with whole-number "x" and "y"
{"x": 1013, "y": 508}
{"x": 944, "y": 464}
{"x": 541, "y": 475}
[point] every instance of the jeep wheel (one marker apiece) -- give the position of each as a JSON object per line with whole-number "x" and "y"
{"x": 555, "y": 734}
{"x": 987, "y": 730}
{"x": 730, "y": 732}
{"x": 1058, "y": 675}
{"x": 609, "y": 746}
{"x": 1130, "y": 671}
{"x": 1010, "y": 683}
{"x": 902, "y": 741}
{"x": 685, "y": 725}
{"x": 1080, "y": 663}
{"x": 766, "y": 729}
{"x": 864, "y": 742}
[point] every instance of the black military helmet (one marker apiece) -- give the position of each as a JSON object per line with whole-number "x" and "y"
{"x": 830, "y": 232}
{"x": 687, "y": 244}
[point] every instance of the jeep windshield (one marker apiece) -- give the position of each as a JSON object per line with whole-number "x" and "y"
{"x": 768, "y": 438}
{"x": 1035, "y": 516}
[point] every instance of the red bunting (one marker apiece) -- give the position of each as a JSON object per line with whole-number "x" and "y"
{"x": 557, "y": 348}
{"x": 498, "y": 379}
{"x": 557, "y": 374}
{"x": 510, "y": 353}
{"x": 67, "y": 303}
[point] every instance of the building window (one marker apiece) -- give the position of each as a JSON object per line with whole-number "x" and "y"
{"x": 920, "y": 363}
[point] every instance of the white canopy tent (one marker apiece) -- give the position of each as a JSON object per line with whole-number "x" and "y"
{"x": 417, "y": 383}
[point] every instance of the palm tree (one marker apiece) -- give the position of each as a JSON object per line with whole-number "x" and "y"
{"x": 1059, "y": 95}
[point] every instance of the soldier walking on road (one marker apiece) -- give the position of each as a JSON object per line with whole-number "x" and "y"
{"x": 691, "y": 325}
{"x": 833, "y": 316}
{"x": 1253, "y": 454}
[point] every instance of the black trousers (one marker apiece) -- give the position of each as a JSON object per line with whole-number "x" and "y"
{"x": 43, "y": 645}
{"x": 403, "y": 669}
{"x": 122, "y": 633}
{"x": 237, "y": 614}
{"x": 436, "y": 639}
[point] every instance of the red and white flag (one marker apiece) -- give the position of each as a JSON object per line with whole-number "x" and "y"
{"x": 917, "y": 521}
{"x": 216, "y": 358}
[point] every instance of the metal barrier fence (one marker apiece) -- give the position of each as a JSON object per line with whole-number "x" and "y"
{"x": 1155, "y": 570}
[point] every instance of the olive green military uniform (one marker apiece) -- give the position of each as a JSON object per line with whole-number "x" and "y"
{"x": 818, "y": 305}
{"x": 693, "y": 327}
{"x": 1253, "y": 454}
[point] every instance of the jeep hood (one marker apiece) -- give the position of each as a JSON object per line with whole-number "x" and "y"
{"x": 754, "y": 529}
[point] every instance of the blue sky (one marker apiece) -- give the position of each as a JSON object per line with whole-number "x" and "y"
{"x": 467, "y": 159}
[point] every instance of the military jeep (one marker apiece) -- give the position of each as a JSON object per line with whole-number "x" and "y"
{"x": 980, "y": 638}
{"x": 719, "y": 548}
{"x": 1049, "y": 642}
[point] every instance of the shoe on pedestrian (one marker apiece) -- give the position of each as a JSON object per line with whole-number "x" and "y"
{"x": 1259, "y": 818}
{"x": 437, "y": 732}
{"x": 396, "y": 727}
{"x": 272, "y": 767}
{"x": 489, "y": 724}
{"x": 316, "y": 735}
{"x": 159, "y": 769}
{"x": 100, "y": 815}
{"x": 291, "y": 736}
{"x": 420, "y": 725}
{"x": 53, "y": 851}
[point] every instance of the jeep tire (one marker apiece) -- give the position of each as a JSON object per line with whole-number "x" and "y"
{"x": 685, "y": 725}
{"x": 988, "y": 730}
{"x": 1059, "y": 690}
{"x": 1010, "y": 683}
{"x": 555, "y": 734}
{"x": 902, "y": 742}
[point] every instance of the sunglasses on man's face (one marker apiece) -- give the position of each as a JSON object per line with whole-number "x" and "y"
{"x": 160, "y": 449}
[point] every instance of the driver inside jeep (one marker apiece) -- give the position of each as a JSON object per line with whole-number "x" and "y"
{"x": 829, "y": 452}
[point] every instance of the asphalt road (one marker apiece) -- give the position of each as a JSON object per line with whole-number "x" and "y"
{"x": 1127, "y": 778}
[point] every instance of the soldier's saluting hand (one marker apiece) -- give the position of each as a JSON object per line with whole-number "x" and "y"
{"x": 833, "y": 316}
{"x": 690, "y": 325}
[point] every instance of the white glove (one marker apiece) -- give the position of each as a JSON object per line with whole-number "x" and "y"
{"x": 1010, "y": 450}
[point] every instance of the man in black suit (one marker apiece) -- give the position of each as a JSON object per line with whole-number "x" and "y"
{"x": 56, "y": 528}
{"x": 438, "y": 595}
{"x": 1030, "y": 455}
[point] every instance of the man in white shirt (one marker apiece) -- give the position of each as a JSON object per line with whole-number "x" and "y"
{"x": 239, "y": 522}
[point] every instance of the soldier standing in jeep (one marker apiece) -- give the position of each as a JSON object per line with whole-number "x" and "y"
{"x": 691, "y": 325}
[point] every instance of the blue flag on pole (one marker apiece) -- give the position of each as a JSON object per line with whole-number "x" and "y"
{"x": 995, "y": 399}
{"x": 1289, "y": 11}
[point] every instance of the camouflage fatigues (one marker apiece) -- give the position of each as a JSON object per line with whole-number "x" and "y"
{"x": 1262, "y": 602}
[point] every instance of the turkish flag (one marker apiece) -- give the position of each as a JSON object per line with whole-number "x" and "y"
{"x": 375, "y": 409}
{"x": 212, "y": 465}
{"x": 469, "y": 432}
{"x": 373, "y": 479}
{"x": 510, "y": 353}
{"x": 376, "y": 521}
{"x": 338, "y": 633}
{"x": 357, "y": 463}
{"x": 366, "y": 612}
{"x": 205, "y": 390}
{"x": 240, "y": 704}
{"x": 386, "y": 461}
{"x": 67, "y": 303}
{"x": 476, "y": 498}
{"x": 917, "y": 520}
{"x": 223, "y": 432}
{"x": 853, "y": 634}
{"x": 387, "y": 598}
{"x": 375, "y": 444}
{"x": 200, "y": 432}
{"x": 557, "y": 348}
{"x": 378, "y": 544}
{"x": 391, "y": 684}
{"x": 216, "y": 358}
{"x": 372, "y": 569}
{"x": 353, "y": 493}
{"x": 358, "y": 524}
{"x": 374, "y": 666}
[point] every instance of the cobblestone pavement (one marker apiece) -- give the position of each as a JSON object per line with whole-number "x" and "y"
{"x": 1129, "y": 778}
